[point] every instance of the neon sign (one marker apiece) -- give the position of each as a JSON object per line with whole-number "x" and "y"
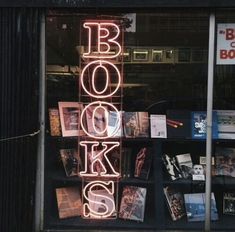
{"x": 101, "y": 81}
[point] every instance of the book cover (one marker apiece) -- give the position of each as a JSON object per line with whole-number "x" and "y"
{"x": 175, "y": 203}
{"x": 199, "y": 122}
{"x": 226, "y": 124}
{"x": 125, "y": 164}
{"x": 114, "y": 124}
{"x": 69, "y": 118}
{"x": 172, "y": 167}
{"x": 185, "y": 164}
{"x": 136, "y": 124}
{"x": 202, "y": 161}
{"x": 143, "y": 163}
{"x": 132, "y": 205}
{"x": 229, "y": 203}
{"x": 225, "y": 161}
{"x": 71, "y": 161}
{"x": 54, "y": 120}
{"x": 178, "y": 123}
{"x": 96, "y": 119}
{"x": 195, "y": 207}
{"x": 101, "y": 204}
{"x": 158, "y": 126}
{"x": 69, "y": 202}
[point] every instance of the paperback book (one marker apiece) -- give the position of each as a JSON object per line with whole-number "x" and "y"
{"x": 225, "y": 161}
{"x": 175, "y": 203}
{"x": 199, "y": 124}
{"x": 71, "y": 161}
{"x": 158, "y": 126}
{"x": 185, "y": 164}
{"x": 69, "y": 202}
{"x": 172, "y": 167}
{"x": 54, "y": 119}
{"x": 226, "y": 124}
{"x": 126, "y": 162}
{"x": 143, "y": 163}
{"x": 136, "y": 124}
{"x": 195, "y": 207}
{"x": 229, "y": 203}
{"x": 132, "y": 205}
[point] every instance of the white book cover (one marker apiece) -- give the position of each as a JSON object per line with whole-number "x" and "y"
{"x": 158, "y": 126}
{"x": 226, "y": 124}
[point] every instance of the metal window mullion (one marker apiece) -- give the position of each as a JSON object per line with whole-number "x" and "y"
{"x": 209, "y": 120}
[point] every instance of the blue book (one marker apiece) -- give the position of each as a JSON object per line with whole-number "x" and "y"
{"x": 199, "y": 122}
{"x": 195, "y": 207}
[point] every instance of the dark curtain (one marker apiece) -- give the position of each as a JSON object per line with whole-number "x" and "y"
{"x": 19, "y": 91}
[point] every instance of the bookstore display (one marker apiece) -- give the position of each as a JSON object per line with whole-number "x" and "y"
{"x": 119, "y": 157}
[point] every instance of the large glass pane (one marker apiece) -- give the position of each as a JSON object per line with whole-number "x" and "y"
{"x": 164, "y": 69}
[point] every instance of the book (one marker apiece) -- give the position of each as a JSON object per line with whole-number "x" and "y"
{"x": 226, "y": 124}
{"x": 126, "y": 162}
{"x": 136, "y": 124}
{"x": 114, "y": 128}
{"x": 158, "y": 126}
{"x": 101, "y": 204}
{"x": 202, "y": 161}
{"x": 70, "y": 118}
{"x": 199, "y": 124}
{"x": 172, "y": 167}
{"x": 132, "y": 204}
{"x": 68, "y": 202}
{"x": 195, "y": 207}
{"x": 96, "y": 119}
{"x": 175, "y": 203}
{"x": 198, "y": 172}
{"x": 143, "y": 163}
{"x": 185, "y": 164}
{"x": 229, "y": 203}
{"x": 225, "y": 161}
{"x": 71, "y": 161}
{"x": 178, "y": 123}
{"x": 54, "y": 120}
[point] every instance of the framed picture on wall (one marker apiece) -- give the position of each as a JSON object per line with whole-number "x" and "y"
{"x": 140, "y": 55}
{"x": 157, "y": 55}
{"x": 70, "y": 118}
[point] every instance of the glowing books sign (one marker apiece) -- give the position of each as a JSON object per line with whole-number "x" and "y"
{"x": 100, "y": 91}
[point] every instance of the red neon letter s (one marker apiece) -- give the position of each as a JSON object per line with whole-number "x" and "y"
{"x": 107, "y": 36}
{"x": 100, "y": 202}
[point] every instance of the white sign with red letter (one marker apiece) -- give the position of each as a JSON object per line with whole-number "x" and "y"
{"x": 225, "y": 53}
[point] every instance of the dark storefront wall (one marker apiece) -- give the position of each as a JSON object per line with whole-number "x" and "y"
{"x": 19, "y": 83}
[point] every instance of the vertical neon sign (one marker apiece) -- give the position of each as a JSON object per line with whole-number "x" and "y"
{"x": 100, "y": 83}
